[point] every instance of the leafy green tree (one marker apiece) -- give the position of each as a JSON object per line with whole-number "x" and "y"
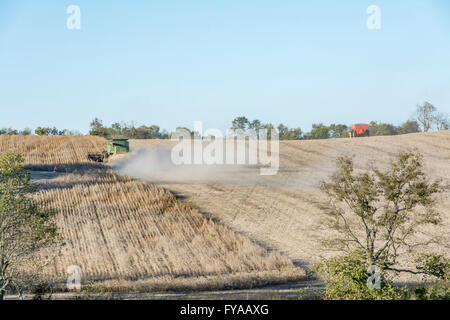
{"x": 25, "y": 227}
{"x": 318, "y": 131}
{"x": 55, "y": 132}
{"x": 8, "y": 131}
{"x": 42, "y": 131}
{"x": 127, "y": 131}
{"x": 132, "y": 131}
{"x": 338, "y": 131}
{"x": 384, "y": 206}
{"x": 150, "y": 132}
{"x": 436, "y": 265}
{"x": 346, "y": 278}
{"x": 97, "y": 129}
{"x": 117, "y": 128}
{"x": 293, "y": 134}
{"x": 269, "y": 128}
{"x": 410, "y": 126}
{"x": 282, "y": 129}
{"x": 255, "y": 125}
{"x": 376, "y": 213}
{"x": 25, "y": 132}
{"x": 96, "y": 124}
{"x": 48, "y": 131}
{"x": 240, "y": 123}
{"x": 382, "y": 129}
{"x": 286, "y": 133}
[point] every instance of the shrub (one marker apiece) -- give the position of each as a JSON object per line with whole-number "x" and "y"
{"x": 346, "y": 277}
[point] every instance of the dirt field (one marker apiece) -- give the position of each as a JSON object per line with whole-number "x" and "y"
{"x": 283, "y": 212}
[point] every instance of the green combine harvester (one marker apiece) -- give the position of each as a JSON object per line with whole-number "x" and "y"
{"x": 113, "y": 146}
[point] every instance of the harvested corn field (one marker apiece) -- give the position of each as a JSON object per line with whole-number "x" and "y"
{"x": 129, "y": 235}
{"x": 52, "y": 150}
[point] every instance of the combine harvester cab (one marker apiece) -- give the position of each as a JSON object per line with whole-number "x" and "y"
{"x": 118, "y": 146}
{"x": 113, "y": 147}
{"x": 360, "y": 130}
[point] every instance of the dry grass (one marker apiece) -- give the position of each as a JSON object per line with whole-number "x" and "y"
{"x": 48, "y": 150}
{"x": 129, "y": 235}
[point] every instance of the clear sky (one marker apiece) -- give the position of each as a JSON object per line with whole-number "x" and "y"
{"x": 172, "y": 62}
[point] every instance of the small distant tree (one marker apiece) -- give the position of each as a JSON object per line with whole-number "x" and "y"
{"x": 318, "y": 131}
{"x": 382, "y": 129}
{"x": 25, "y": 132}
{"x": 425, "y": 115}
{"x": 97, "y": 129}
{"x": 429, "y": 117}
{"x": 255, "y": 125}
{"x": 240, "y": 123}
{"x": 269, "y": 128}
{"x": 410, "y": 126}
{"x": 282, "y": 129}
{"x": 182, "y": 130}
{"x": 131, "y": 131}
{"x": 48, "y": 131}
{"x": 55, "y": 132}
{"x": 286, "y": 133}
{"x": 8, "y": 131}
{"x": 117, "y": 128}
{"x": 42, "y": 131}
{"x": 376, "y": 213}
{"x": 338, "y": 131}
{"x": 25, "y": 227}
{"x": 155, "y": 132}
{"x": 442, "y": 121}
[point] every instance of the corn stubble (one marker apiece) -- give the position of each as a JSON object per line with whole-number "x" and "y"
{"x": 50, "y": 150}
{"x": 130, "y": 235}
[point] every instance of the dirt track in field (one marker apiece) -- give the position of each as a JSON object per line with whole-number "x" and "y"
{"x": 283, "y": 212}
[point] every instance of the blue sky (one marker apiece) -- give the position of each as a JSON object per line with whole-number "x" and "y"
{"x": 172, "y": 62}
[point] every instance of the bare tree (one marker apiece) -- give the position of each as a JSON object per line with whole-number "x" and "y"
{"x": 425, "y": 115}
{"x": 25, "y": 228}
{"x": 376, "y": 211}
{"x": 442, "y": 121}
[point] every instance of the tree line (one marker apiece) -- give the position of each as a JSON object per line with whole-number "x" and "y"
{"x": 124, "y": 130}
{"x": 426, "y": 118}
{"x": 321, "y": 131}
{"x": 39, "y": 131}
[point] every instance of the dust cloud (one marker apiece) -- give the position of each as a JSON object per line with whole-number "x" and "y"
{"x": 155, "y": 165}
